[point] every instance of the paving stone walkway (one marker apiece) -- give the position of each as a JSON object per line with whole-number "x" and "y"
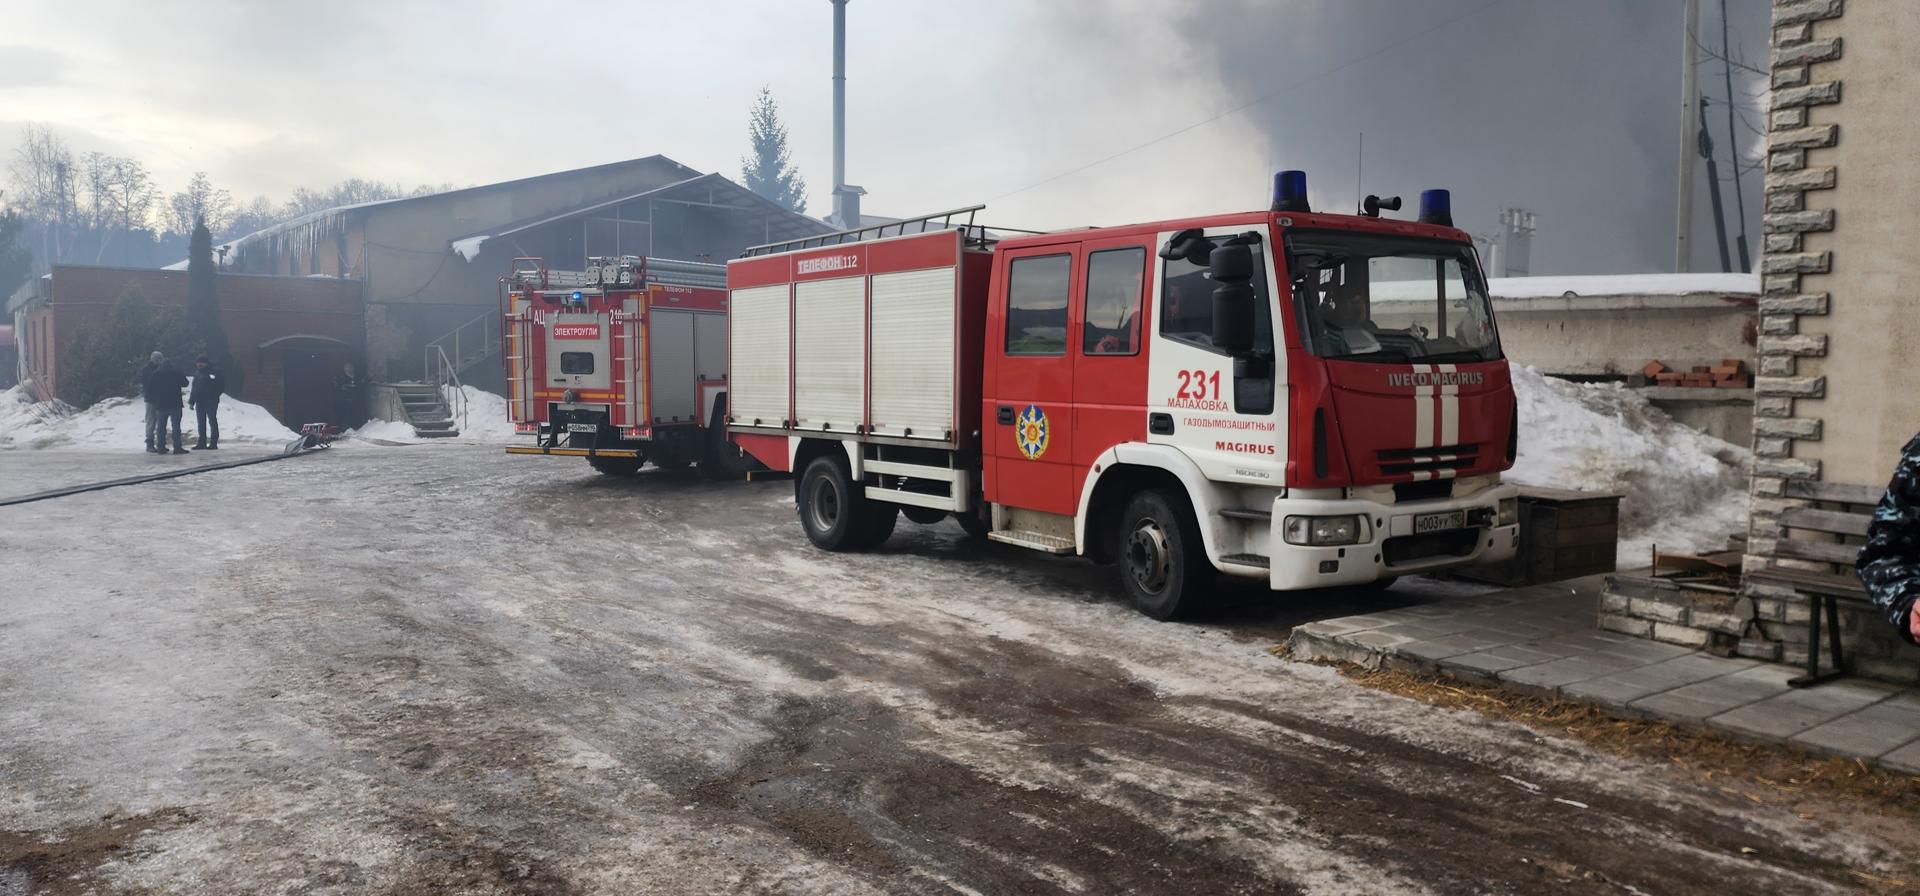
{"x": 1545, "y": 640}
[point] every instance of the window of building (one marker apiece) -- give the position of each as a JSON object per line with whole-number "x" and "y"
{"x": 1112, "y": 325}
{"x": 1037, "y": 305}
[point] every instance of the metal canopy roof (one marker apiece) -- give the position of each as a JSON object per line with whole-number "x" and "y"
{"x": 704, "y": 191}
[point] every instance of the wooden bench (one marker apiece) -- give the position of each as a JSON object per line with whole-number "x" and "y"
{"x": 1810, "y": 536}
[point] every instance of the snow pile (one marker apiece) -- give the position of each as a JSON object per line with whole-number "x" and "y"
{"x": 1681, "y": 489}
{"x": 119, "y": 424}
{"x": 487, "y": 419}
{"x": 469, "y": 248}
{"x": 486, "y": 422}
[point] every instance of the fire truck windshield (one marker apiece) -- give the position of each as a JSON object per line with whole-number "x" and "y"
{"x": 1390, "y": 299}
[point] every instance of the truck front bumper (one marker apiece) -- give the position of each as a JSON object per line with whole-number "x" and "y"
{"x": 1392, "y": 547}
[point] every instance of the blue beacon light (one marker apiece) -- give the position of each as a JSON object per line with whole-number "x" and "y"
{"x": 1436, "y": 207}
{"x": 1290, "y": 192}
{"x": 578, "y": 299}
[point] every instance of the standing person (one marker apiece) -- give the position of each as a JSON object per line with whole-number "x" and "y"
{"x": 346, "y": 396}
{"x": 163, "y": 394}
{"x": 154, "y": 420}
{"x": 208, "y": 385}
{"x": 1889, "y": 565}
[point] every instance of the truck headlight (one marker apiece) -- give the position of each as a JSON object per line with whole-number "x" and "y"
{"x": 1509, "y": 511}
{"x": 1321, "y": 531}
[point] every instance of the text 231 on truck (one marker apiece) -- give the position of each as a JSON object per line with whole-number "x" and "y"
{"x": 1310, "y": 399}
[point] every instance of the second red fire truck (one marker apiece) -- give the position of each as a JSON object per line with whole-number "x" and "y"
{"x": 623, "y": 363}
{"x": 1308, "y": 399}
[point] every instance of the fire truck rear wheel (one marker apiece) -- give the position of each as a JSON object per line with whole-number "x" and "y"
{"x": 878, "y": 520}
{"x": 1163, "y": 568}
{"x": 972, "y": 523}
{"x": 925, "y": 516}
{"x": 830, "y": 512}
{"x": 615, "y": 466}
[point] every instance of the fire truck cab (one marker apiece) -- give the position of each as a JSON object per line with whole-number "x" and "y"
{"x": 622, "y": 363}
{"x": 1310, "y": 399}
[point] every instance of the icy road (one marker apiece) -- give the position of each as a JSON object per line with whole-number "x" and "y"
{"x": 439, "y": 669}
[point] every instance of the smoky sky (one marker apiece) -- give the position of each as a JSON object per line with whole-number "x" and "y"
{"x": 1565, "y": 107}
{"x": 1570, "y": 110}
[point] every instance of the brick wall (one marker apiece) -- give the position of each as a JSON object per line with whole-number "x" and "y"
{"x": 1790, "y": 176}
{"x": 1750, "y": 623}
{"x": 254, "y": 310}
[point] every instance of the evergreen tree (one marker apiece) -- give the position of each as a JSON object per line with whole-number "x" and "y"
{"x": 102, "y": 361}
{"x": 16, "y": 262}
{"x": 203, "y": 304}
{"x": 768, "y": 168}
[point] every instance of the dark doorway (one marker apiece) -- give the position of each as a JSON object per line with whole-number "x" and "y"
{"x": 311, "y": 390}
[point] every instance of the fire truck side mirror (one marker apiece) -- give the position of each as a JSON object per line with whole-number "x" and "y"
{"x": 1233, "y": 317}
{"x": 1190, "y": 245}
{"x": 1231, "y": 268}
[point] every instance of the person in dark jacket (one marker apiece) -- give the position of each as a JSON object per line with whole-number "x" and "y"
{"x": 154, "y": 419}
{"x": 346, "y": 397}
{"x": 163, "y": 393}
{"x": 208, "y": 386}
{"x": 1889, "y": 565}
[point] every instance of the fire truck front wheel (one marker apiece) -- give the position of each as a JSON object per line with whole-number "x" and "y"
{"x": 835, "y": 516}
{"x": 1163, "y": 568}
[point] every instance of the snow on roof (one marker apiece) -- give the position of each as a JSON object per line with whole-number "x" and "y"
{"x": 469, "y": 248}
{"x": 1624, "y": 285}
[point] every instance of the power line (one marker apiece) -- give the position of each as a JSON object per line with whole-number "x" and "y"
{"x": 1253, "y": 102}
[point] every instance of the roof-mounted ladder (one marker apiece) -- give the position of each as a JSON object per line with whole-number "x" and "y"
{"x": 976, "y": 235}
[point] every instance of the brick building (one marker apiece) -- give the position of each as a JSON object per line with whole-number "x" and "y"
{"x": 289, "y": 335}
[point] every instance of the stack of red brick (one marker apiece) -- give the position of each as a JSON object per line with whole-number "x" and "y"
{"x": 1730, "y": 373}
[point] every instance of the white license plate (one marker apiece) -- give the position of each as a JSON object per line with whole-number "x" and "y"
{"x": 583, "y": 427}
{"x": 1439, "y": 522}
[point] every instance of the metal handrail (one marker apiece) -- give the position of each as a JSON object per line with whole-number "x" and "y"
{"x": 444, "y": 376}
{"x": 488, "y": 337}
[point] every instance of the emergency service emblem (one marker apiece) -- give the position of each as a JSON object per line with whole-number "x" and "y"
{"x": 1030, "y": 431}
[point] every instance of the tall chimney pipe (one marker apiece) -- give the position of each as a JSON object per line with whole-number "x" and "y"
{"x": 840, "y": 113}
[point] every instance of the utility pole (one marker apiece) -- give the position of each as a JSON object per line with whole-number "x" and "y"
{"x": 1733, "y": 143}
{"x": 1689, "y": 120}
{"x": 846, "y": 197}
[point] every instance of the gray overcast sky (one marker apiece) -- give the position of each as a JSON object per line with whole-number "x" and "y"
{"x": 1568, "y": 108}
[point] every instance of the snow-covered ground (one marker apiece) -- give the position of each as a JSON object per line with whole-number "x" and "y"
{"x": 118, "y": 423}
{"x": 1682, "y": 489}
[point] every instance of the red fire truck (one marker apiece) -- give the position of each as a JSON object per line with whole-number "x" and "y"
{"x": 1310, "y": 399}
{"x": 622, "y": 363}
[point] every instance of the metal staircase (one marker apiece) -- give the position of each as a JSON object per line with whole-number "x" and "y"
{"x": 467, "y": 345}
{"x": 427, "y": 410}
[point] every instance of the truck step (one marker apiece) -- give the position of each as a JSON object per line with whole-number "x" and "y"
{"x": 1247, "y": 560}
{"x": 1234, "y": 513}
{"x": 1052, "y": 544}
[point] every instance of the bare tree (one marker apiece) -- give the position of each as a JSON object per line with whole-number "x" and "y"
{"x": 258, "y": 213}
{"x": 199, "y": 202}
{"x": 44, "y": 175}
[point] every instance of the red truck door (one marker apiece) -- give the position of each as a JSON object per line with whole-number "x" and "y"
{"x": 1029, "y": 394}
{"x": 1109, "y": 345}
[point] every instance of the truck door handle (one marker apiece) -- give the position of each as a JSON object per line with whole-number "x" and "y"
{"x": 1004, "y": 414}
{"x": 1160, "y": 424}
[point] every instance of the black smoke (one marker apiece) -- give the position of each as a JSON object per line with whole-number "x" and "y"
{"x": 1569, "y": 109}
